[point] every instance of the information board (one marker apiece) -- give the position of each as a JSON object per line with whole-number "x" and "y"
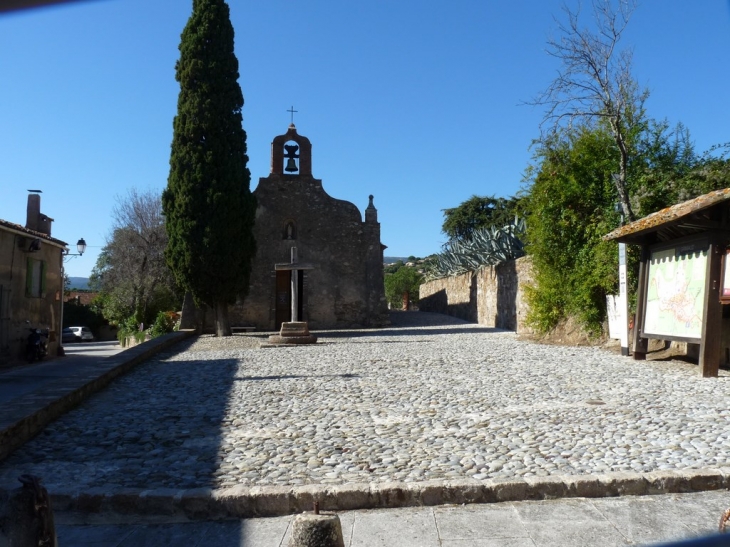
{"x": 675, "y": 294}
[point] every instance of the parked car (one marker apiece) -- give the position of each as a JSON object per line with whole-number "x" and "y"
{"x": 67, "y": 335}
{"x": 82, "y": 334}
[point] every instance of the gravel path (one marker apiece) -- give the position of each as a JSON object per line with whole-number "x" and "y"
{"x": 430, "y": 398}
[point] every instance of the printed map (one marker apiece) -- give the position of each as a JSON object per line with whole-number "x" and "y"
{"x": 675, "y": 295}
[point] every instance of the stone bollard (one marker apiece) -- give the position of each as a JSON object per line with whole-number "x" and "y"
{"x": 25, "y": 515}
{"x": 310, "y": 530}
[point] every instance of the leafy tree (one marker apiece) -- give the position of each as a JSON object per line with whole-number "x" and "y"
{"x": 571, "y": 204}
{"x": 130, "y": 272}
{"x": 209, "y": 209}
{"x": 477, "y": 212}
{"x": 401, "y": 287}
{"x": 75, "y": 314}
{"x": 595, "y": 83}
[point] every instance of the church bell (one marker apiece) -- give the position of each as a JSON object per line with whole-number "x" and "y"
{"x": 291, "y": 166}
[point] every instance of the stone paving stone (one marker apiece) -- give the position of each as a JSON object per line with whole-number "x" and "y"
{"x": 479, "y": 522}
{"x": 268, "y": 532}
{"x": 568, "y": 510}
{"x": 495, "y": 542}
{"x": 700, "y": 517}
{"x": 404, "y": 528}
{"x": 643, "y": 520}
{"x": 552, "y": 534}
{"x": 110, "y": 535}
{"x": 169, "y": 535}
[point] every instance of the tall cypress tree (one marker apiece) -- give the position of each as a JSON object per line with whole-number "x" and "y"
{"x": 208, "y": 206}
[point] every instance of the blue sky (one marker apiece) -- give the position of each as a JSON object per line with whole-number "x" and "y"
{"x": 416, "y": 102}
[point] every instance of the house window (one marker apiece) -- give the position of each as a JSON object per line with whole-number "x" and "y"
{"x": 35, "y": 278}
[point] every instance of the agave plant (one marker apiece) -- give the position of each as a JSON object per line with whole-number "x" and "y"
{"x": 487, "y": 247}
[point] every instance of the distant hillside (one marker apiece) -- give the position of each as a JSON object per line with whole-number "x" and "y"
{"x": 79, "y": 283}
{"x": 393, "y": 259}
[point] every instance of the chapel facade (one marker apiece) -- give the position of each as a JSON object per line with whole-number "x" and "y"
{"x": 340, "y": 256}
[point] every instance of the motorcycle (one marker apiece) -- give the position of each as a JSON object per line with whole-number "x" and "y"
{"x": 36, "y": 346}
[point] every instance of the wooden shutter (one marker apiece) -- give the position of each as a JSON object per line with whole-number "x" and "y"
{"x": 43, "y": 279}
{"x": 29, "y": 277}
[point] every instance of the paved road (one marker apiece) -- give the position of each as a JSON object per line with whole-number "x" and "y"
{"x": 575, "y": 522}
{"x": 92, "y": 349}
{"x": 683, "y": 417}
{"x": 24, "y": 379}
{"x": 431, "y": 398}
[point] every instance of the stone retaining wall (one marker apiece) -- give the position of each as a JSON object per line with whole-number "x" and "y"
{"x": 493, "y": 296}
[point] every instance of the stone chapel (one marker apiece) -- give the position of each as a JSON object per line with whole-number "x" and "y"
{"x": 339, "y": 257}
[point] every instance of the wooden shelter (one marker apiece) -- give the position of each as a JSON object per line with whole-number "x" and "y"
{"x": 682, "y": 282}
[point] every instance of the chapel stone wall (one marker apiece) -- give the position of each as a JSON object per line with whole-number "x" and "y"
{"x": 344, "y": 288}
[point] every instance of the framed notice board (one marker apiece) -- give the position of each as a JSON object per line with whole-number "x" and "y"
{"x": 675, "y": 292}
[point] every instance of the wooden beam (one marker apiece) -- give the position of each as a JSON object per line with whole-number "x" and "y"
{"x": 703, "y": 225}
{"x": 711, "y": 342}
{"x": 641, "y": 345}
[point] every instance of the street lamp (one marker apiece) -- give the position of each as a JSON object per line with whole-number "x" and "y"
{"x": 80, "y": 247}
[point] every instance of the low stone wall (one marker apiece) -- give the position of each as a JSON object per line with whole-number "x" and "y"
{"x": 493, "y": 296}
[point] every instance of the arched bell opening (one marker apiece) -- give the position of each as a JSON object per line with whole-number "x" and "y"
{"x": 291, "y": 158}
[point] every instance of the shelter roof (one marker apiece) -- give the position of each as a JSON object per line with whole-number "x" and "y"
{"x": 690, "y": 217}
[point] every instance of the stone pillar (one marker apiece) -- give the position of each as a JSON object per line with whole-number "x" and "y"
{"x": 310, "y": 530}
{"x": 26, "y": 517}
{"x": 294, "y": 288}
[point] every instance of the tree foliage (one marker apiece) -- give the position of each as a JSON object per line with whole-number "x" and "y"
{"x": 598, "y": 148}
{"x": 402, "y": 286}
{"x": 478, "y": 212}
{"x": 130, "y": 272}
{"x": 595, "y": 83}
{"x": 208, "y": 207}
{"x": 571, "y": 204}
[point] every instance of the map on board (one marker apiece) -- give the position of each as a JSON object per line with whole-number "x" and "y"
{"x": 675, "y": 295}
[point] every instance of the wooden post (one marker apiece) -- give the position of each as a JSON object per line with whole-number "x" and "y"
{"x": 641, "y": 345}
{"x": 710, "y": 344}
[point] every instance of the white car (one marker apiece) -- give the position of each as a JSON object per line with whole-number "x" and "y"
{"x": 82, "y": 334}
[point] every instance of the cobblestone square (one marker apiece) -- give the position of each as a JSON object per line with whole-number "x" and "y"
{"x": 431, "y": 397}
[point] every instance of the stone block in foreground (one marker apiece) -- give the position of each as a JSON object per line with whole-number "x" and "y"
{"x": 309, "y": 530}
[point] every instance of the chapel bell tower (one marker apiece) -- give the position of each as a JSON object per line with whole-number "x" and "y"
{"x": 291, "y": 154}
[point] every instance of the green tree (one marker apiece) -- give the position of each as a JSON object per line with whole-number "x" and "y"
{"x": 209, "y": 209}
{"x": 130, "y": 272}
{"x": 477, "y": 212}
{"x": 571, "y": 204}
{"x": 401, "y": 287}
{"x": 595, "y": 84}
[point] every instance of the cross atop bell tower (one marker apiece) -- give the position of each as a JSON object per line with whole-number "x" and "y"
{"x": 291, "y": 154}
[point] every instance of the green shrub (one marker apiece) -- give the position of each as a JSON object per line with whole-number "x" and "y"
{"x": 164, "y": 323}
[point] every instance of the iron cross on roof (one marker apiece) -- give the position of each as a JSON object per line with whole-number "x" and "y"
{"x": 292, "y": 114}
